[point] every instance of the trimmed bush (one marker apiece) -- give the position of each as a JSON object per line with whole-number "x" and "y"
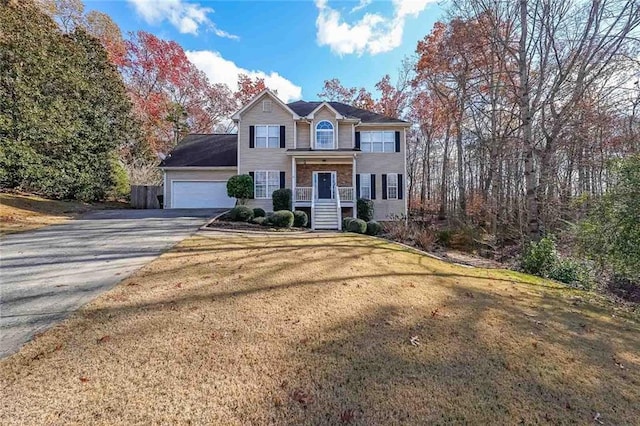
{"x": 260, "y": 220}
{"x": 282, "y": 199}
{"x": 346, "y": 221}
{"x": 300, "y": 219}
{"x": 365, "y": 209}
{"x": 241, "y": 214}
{"x": 258, "y": 212}
{"x": 358, "y": 226}
{"x": 282, "y": 219}
{"x": 240, "y": 187}
{"x": 373, "y": 228}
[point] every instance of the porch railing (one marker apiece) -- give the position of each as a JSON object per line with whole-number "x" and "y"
{"x": 305, "y": 193}
{"x": 346, "y": 193}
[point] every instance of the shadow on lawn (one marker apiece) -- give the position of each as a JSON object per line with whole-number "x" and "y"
{"x": 469, "y": 367}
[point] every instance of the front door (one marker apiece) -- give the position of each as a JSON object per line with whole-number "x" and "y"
{"x": 324, "y": 185}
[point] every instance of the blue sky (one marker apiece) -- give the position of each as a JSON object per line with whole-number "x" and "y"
{"x": 295, "y": 45}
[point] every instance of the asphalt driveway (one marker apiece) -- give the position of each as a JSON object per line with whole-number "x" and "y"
{"x": 48, "y": 273}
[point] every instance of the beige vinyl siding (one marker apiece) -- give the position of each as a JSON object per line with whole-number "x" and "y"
{"x": 345, "y": 135}
{"x": 252, "y": 159}
{"x": 384, "y": 163}
{"x": 303, "y": 135}
{"x": 195, "y": 175}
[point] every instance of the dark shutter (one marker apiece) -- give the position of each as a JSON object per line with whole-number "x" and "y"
{"x": 282, "y": 178}
{"x": 253, "y": 178}
{"x": 357, "y": 185}
{"x": 282, "y": 141}
{"x": 252, "y": 136}
{"x": 384, "y": 186}
{"x": 357, "y": 140}
{"x": 397, "y": 141}
{"x": 373, "y": 186}
{"x": 400, "y": 186}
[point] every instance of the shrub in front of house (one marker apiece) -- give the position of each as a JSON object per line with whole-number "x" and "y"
{"x": 358, "y": 226}
{"x": 240, "y": 187}
{"x": 373, "y": 227}
{"x": 346, "y": 221}
{"x": 241, "y": 214}
{"x": 365, "y": 209}
{"x": 260, "y": 220}
{"x": 282, "y": 199}
{"x": 282, "y": 219}
{"x": 258, "y": 212}
{"x": 300, "y": 219}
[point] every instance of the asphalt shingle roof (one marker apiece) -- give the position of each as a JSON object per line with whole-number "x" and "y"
{"x": 303, "y": 108}
{"x": 204, "y": 150}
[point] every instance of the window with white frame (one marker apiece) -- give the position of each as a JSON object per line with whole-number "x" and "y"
{"x": 268, "y": 136}
{"x": 266, "y": 181}
{"x": 382, "y": 141}
{"x": 365, "y": 186}
{"x": 324, "y": 135}
{"x": 392, "y": 186}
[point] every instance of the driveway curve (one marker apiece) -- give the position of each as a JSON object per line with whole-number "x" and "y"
{"x": 50, "y": 272}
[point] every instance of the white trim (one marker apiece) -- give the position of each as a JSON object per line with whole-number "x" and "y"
{"x": 237, "y": 114}
{"x": 396, "y": 186}
{"x": 294, "y": 177}
{"x": 333, "y": 139}
{"x": 255, "y": 182}
{"x": 314, "y": 182}
{"x": 353, "y": 184}
{"x": 312, "y": 133}
{"x": 255, "y": 136}
{"x": 312, "y": 113}
{"x": 295, "y": 134}
{"x": 382, "y": 141}
{"x": 403, "y": 149}
{"x": 353, "y": 136}
{"x": 197, "y": 168}
{"x": 383, "y": 124}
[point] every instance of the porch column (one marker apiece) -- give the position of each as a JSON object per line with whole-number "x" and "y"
{"x": 294, "y": 178}
{"x": 353, "y": 183}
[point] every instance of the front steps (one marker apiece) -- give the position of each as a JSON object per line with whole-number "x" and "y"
{"x": 326, "y": 215}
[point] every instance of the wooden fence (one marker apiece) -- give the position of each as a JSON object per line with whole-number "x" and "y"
{"x": 145, "y": 196}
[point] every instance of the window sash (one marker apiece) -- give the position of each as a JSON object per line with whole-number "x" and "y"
{"x": 325, "y": 136}
{"x": 268, "y": 136}
{"x": 392, "y": 186}
{"x": 378, "y": 141}
{"x": 365, "y": 186}
{"x": 266, "y": 181}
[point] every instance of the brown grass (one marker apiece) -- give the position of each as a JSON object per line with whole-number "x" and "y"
{"x": 25, "y": 212}
{"x": 318, "y": 329}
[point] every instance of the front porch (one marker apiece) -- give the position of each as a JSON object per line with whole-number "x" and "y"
{"x": 326, "y": 186}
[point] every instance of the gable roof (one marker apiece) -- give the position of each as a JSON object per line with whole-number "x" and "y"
{"x": 204, "y": 150}
{"x": 255, "y": 99}
{"x": 304, "y": 108}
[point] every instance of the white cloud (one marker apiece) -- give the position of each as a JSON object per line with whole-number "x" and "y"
{"x": 373, "y": 33}
{"x": 221, "y": 70}
{"x": 361, "y": 5}
{"x": 186, "y": 17}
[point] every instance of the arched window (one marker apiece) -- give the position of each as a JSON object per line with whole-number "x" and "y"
{"x": 324, "y": 135}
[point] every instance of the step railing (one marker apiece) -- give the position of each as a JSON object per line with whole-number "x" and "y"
{"x": 338, "y": 208}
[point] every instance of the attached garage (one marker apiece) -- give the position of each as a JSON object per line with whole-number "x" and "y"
{"x": 197, "y": 170}
{"x": 200, "y": 194}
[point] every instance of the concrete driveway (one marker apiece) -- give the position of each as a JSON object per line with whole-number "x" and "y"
{"x": 48, "y": 273}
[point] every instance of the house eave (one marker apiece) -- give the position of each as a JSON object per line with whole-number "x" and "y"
{"x": 197, "y": 168}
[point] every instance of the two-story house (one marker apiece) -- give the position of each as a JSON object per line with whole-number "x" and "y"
{"x": 328, "y": 154}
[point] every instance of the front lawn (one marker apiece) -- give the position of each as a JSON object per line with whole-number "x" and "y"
{"x": 24, "y": 212}
{"x": 327, "y": 329}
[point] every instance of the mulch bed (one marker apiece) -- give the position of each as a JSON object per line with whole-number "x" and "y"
{"x": 246, "y": 226}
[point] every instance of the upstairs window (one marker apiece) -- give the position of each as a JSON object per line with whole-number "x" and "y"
{"x": 324, "y": 135}
{"x": 378, "y": 141}
{"x": 267, "y": 136}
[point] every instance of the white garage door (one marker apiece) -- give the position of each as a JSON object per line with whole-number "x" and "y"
{"x": 200, "y": 194}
